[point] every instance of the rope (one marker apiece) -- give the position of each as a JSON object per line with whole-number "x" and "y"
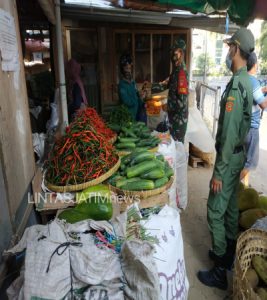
{"x": 65, "y": 246}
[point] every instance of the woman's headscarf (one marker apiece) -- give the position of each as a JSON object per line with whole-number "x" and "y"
{"x": 125, "y": 60}
{"x": 73, "y": 71}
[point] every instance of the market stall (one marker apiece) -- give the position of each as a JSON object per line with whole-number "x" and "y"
{"x": 114, "y": 196}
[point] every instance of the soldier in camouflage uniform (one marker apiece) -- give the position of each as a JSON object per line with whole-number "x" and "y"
{"x": 178, "y": 93}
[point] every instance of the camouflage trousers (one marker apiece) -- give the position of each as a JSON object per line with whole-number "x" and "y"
{"x": 178, "y": 125}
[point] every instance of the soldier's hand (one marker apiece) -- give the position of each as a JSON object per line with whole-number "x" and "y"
{"x": 216, "y": 185}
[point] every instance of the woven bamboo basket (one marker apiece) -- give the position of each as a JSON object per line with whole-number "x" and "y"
{"x": 82, "y": 186}
{"x": 157, "y": 200}
{"x": 123, "y": 153}
{"x": 250, "y": 243}
{"x": 142, "y": 194}
{"x": 113, "y": 139}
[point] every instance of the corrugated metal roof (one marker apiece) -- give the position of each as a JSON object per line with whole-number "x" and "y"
{"x": 142, "y": 12}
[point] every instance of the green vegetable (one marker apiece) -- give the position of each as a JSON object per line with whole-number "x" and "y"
{"x": 141, "y": 168}
{"x": 140, "y": 124}
{"x": 120, "y": 116}
{"x": 139, "y": 185}
{"x": 160, "y": 182}
{"x": 141, "y": 148}
{"x": 128, "y": 140}
{"x": 146, "y": 142}
{"x": 96, "y": 208}
{"x": 161, "y": 164}
{"x": 71, "y": 216}
{"x": 128, "y": 132}
{"x": 124, "y": 181}
{"x": 115, "y": 127}
{"x": 145, "y": 135}
{"x": 155, "y": 173}
{"x": 160, "y": 157}
{"x": 112, "y": 180}
{"x": 125, "y": 146}
{"x": 169, "y": 172}
{"x": 127, "y": 158}
{"x": 143, "y": 156}
{"x": 100, "y": 190}
{"x": 122, "y": 167}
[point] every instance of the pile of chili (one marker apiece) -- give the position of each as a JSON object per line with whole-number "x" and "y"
{"x": 90, "y": 115}
{"x": 81, "y": 155}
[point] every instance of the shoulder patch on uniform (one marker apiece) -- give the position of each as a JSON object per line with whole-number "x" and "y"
{"x": 230, "y": 98}
{"x": 229, "y": 106}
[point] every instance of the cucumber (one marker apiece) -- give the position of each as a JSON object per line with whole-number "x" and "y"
{"x": 112, "y": 180}
{"x": 141, "y": 168}
{"x": 143, "y": 156}
{"x": 125, "y": 145}
{"x": 146, "y": 142}
{"x": 161, "y": 164}
{"x": 156, "y": 139}
{"x": 169, "y": 172}
{"x": 122, "y": 167}
{"x": 128, "y": 132}
{"x": 127, "y": 158}
{"x": 145, "y": 135}
{"x": 160, "y": 157}
{"x": 160, "y": 182}
{"x": 123, "y": 173}
{"x": 139, "y": 185}
{"x": 155, "y": 173}
{"x": 141, "y": 148}
{"x": 141, "y": 124}
{"x": 128, "y": 140}
{"x": 124, "y": 181}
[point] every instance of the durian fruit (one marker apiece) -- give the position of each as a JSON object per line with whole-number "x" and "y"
{"x": 262, "y": 202}
{"x": 252, "y": 277}
{"x": 260, "y": 266}
{"x": 262, "y": 293}
{"x": 250, "y": 216}
{"x": 248, "y": 198}
{"x": 241, "y": 187}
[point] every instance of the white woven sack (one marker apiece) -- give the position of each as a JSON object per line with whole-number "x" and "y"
{"x": 169, "y": 256}
{"x": 181, "y": 176}
{"x": 140, "y": 271}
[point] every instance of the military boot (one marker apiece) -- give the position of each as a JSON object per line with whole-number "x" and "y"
{"x": 216, "y": 277}
{"x": 229, "y": 256}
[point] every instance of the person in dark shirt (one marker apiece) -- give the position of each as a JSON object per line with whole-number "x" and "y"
{"x": 75, "y": 89}
{"x": 128, "y": 92}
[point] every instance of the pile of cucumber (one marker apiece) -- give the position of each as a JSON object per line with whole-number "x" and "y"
{"x": 142, "y": 170}
{"x": 137, "y": 136}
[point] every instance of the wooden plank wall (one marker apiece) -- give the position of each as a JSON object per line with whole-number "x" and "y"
{"x": 17, "y": 157}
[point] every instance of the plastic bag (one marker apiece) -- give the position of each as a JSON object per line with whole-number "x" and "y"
{"x": 54, "y": 120}
{"x": 198, "y": 133}
{"x": 38, "y": 141}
